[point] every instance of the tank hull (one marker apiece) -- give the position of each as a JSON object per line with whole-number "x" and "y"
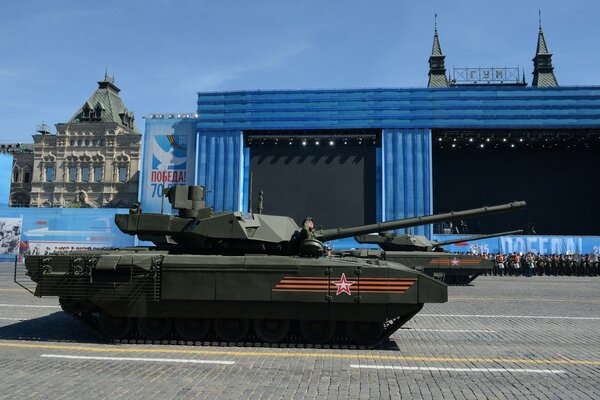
{"x": 138, "y": 286}
{"x": 453, "y": 269}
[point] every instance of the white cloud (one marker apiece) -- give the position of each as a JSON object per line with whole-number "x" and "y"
{"x": 218, "y": 75}
{"x": 7, "y": 73}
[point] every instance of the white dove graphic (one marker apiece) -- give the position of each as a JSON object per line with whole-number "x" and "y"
{"x": 166, "y": 158}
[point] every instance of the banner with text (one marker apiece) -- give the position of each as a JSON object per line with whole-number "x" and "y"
{"x": 526, "y": 244}
{"x": 168, "y": 159}
{"x": 45, "y": 230}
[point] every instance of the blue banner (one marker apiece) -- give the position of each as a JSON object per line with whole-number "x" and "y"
{"x": 169, "y": 159}
{"x": 6, "y": 161}
{"x": 44, "y": 230}
{"x": 526, "y": 244}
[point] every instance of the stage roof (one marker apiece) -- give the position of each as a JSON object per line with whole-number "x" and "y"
{"x": 464, "y": 107}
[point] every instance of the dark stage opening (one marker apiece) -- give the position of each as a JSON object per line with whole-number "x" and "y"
{"x": 327, "y": 175}
{"x": 555, "y": 171}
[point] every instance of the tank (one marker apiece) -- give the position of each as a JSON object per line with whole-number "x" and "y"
{"x": 428, "y": 256}
{"x": 399, "y": 242}
{"x": 233, "y": 276}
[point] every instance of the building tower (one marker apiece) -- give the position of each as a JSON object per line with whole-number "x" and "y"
{"x": 437, "y": 68}
{"x": 543, "y": 71}
{"x": 93, "y": 160}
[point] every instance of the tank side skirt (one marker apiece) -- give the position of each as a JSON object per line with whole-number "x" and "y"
{"x": 259, "y": 310}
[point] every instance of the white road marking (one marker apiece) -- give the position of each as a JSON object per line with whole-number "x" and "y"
{"x": 507, "y": 316}
{"x": 28, "y": 306}
{"x": 12, "y": 319}
{"x": 437, "y": 369}
{"x": 170, "y": 360}
{"x": 448, "y": 330}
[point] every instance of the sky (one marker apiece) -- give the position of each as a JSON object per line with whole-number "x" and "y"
{"x": 163, "y": 52}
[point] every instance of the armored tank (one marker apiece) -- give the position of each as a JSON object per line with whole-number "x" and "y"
{"x": 399, "y": 242}
{"x": 232, "y": 276}
{"x": 428, "y": 256}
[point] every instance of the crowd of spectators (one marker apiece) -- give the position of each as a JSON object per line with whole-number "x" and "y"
{"x": 532, "y": 264}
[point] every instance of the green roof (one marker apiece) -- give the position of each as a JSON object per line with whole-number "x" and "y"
{"x": 105, "y": 105}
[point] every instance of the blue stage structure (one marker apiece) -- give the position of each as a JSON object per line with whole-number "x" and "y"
{"x": 6, "y": 161}
{"x": 405, "y": 118}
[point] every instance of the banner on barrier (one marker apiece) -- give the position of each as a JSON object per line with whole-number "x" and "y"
{"x": 10, "y": 235}
{"x": 527, "y": 244}
{"x": 45, "y": 230}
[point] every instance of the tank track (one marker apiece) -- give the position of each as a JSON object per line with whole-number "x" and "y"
{"x": 91, "y": 320}
{"x": 460, "y": 280}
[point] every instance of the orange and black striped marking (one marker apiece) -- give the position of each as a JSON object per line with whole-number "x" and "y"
{"x": 174, "y": 143}
{"x": 324, "y": 285}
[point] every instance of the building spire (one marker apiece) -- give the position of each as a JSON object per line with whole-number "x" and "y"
{"x": 543, "y": 71}
{"x": 437, "y": 68}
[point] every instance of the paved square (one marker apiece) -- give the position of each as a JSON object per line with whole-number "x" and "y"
{"x": 501, "y": 338}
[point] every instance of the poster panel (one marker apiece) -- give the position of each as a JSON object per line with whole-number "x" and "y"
{"x": 10, "y": 235}
{"x": 168, "y": 159}
{"x": 45, "y": 230}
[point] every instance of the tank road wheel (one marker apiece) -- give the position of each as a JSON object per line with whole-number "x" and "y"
{"x": 192, "y": 328}
{"x": 318, "y": 332}
{"x": 114, "y": 327}
{"x": 363, "y": 332}
{"x": 154, "y": 328}
{"x": 231, "y": 329}
{"x": 272, "y": 330}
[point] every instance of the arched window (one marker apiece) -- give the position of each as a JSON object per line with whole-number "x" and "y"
{"x": 98, "y": 165}
{"x": 98, "y": 173}
{"x": 98, "y": 112}
{"x": 86, "y": 112}
{"x": 50, "y": 173}
{"x": 47, "y": 166}
{"x": 121, "y": 164}
{"x": 72, "y": 174}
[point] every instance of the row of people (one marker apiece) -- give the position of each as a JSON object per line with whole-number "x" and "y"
{"x": 531, "y": 264}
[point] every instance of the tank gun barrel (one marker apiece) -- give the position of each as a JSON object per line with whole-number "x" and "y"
{"x": 478, "y": 237}
{"x": 339, "y": 233}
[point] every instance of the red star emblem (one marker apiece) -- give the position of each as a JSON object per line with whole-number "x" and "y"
{"x": 343, "y": 285}
{"x": 455, "y": 261}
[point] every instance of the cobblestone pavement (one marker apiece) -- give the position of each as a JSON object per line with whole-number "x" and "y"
{"x": 503, "y": 337}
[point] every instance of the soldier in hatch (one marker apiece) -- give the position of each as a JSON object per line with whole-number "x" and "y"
{"x": 308, "y": 228}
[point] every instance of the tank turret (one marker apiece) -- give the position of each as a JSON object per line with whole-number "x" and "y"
{"x": 426, "y": 255}
{"x": 397, "y": 242}
{"x": 439, "y": 245}
{"x": 198, "y": 230}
